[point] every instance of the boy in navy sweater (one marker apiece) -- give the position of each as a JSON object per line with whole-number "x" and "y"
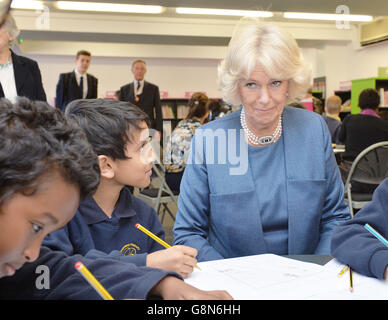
{"x": 354, "y": 245}
{"x": 46, "y": 168}
{"x": 105, "y": 223}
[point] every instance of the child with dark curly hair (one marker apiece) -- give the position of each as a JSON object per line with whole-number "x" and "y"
{"x": 47, "y": 167}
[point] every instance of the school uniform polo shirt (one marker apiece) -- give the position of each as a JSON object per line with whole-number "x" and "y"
{"x": 93, "y": 234}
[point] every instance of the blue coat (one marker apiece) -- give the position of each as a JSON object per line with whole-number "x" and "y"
{"x": 354, "y": 245}
{"x": 217, "y": 206}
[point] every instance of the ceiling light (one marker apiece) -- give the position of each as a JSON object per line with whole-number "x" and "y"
{"x": 27, "y": 4}
{"x": 247, "y": 13}
{"x": 108, "y": 7}
{"x": 326, "y": 16}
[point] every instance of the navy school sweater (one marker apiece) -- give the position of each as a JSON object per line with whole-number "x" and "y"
{"x": 354, "y": 245}
{"x": 93, "y": 234}
{"x": 122, "y": 280}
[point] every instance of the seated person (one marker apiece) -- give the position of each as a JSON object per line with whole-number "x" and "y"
{"x": 354, "y": 245}
{"x": 332, "y": 119}
{"x": 216, "y": 110}
{"x": 46, "y": 168}
{"x": 262, "y": 179}
{"x": 178, "y": 145}
{"x": 105, "y": 222}
{"x": 359, "y": 131}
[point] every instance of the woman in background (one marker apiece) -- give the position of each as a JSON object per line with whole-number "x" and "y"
{"x": 19, "y": 76}
{"x": 178, "y": 146}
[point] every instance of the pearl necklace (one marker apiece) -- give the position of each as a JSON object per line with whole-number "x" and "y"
{"x": 265, "y": 140}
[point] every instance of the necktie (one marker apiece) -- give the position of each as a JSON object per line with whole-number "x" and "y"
{"x": 137, "y": 92}
{"x": 81, "y": 87}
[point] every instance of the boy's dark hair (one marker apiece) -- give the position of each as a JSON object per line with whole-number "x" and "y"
{"x": 108, "y": 124}
{"x": 369, "y": 99}
{"x": 83, "y": 53}
{"x": 36, "y": 138}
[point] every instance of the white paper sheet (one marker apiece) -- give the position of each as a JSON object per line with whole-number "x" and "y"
{"x": 269, "y": 276}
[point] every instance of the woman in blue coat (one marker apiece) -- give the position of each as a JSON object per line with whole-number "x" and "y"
{"x": 264, "y": 178}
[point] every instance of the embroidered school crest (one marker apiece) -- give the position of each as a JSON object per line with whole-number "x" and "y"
{"x": 129, "y": 249}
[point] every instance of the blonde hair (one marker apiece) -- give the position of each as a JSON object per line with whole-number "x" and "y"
{"x": 12, "y": 29}
{"x": 274, "y": 48}
{"x": 333, "y": 104}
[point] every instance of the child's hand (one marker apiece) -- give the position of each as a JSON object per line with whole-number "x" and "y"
{"x": 171, "y": 288}
{"x": 180, "y": 259}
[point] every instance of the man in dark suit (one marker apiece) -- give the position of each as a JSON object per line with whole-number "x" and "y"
{"x": 143, "y": 94}
{"x": 76, "y": 84}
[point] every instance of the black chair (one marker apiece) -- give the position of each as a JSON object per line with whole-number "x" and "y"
{"x": 369, "y": 168}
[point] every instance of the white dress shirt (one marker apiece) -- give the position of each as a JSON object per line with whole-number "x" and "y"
{"x": 85, "y": 82}
{"x": 7, "y": 80}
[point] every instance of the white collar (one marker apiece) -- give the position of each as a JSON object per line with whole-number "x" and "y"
{"x": 78, "y": 75}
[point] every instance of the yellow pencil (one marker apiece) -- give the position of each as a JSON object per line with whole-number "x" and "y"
{"x": 343, "y": 270}
{"x": 93, "y": 281}
{"x": 155, "y": 237}
{"x": 351, "y": 278}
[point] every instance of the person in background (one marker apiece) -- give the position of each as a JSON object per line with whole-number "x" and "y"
{"x": 77, "y": 84}
{"x": 311, "y": 103}
{"x": 19, "y": 76}
{"x": 216, "y": 110}
{"x": 332, "y": 119}
{"x": 177, "y": 149}
{"x": 283, "y": 194}
{"x": 143, "y": 94}
{"x": 317, "y": 103}
{"x": 359, "y": 131}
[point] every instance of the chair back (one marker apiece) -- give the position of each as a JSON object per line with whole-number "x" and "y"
{"x": 370, "y": 168}
{"x": 371, "y": 165}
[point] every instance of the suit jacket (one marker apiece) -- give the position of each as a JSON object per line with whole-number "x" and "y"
{"x": 69, "y": 90}
{"x": 28, "y": 79}
{"x": 218, "y": 205}
{"x": 149, "y": 102}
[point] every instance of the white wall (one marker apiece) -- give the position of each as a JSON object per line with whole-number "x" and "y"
{"x": 338, "y": 62}
{"x": 173, "y": 75}
{"x": 176, "y": 76}
{"x": 366, "y": 60}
